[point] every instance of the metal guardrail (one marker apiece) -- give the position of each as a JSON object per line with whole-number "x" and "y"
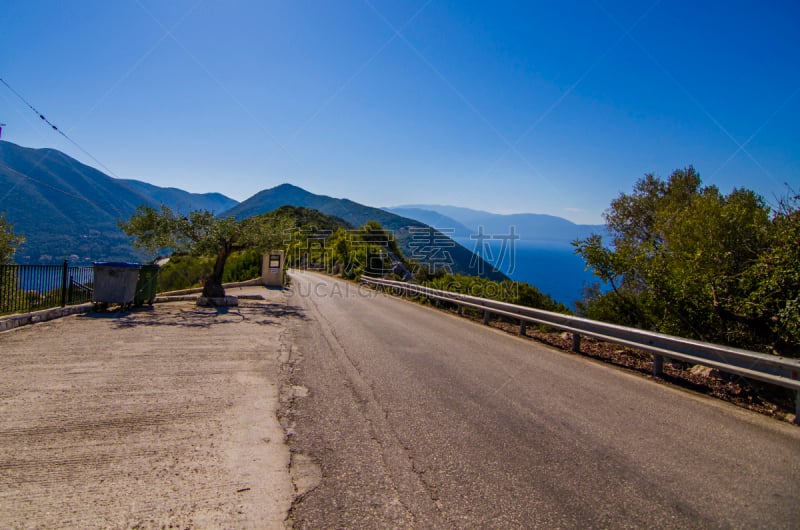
{"x": 772, "y": 369}
{"x": 26, "y": 288}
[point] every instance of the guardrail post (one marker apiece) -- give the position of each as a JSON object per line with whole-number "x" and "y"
{"x": 523, "y": 328}
{"x": 658, "y": 365}
{"x": 460, "y": 310}
{"x": 797, "y": 407}
{"x": 576, "y": 342}
{"x": 486, "y": 316}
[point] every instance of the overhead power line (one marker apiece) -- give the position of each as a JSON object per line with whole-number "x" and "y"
{"x": 55, "y": 128}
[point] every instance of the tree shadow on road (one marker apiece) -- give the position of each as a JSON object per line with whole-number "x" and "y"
{"x": 262, "y": 313}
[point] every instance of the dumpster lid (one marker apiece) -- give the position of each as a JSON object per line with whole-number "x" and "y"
{"x": 120, "y": 264}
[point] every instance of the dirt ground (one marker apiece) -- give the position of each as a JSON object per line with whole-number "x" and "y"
{"x": 155, "y": 418}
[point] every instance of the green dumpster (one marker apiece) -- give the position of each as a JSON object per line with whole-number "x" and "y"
{"x": 146, "y": 286}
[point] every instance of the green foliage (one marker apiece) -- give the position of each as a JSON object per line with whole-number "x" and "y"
{"x": 284, "y": 228}
{"x": 243, "y": 266}
{"x": 202, "y": 234}
{"x": 351, "y": 214}
{"x": 11, "y": 295}
{"x": 349, "y": 253}
{"x": 9, "y": 241}
{"x": 186, "y": 271}
{"x": 300, "y": 217}
{"x": 773, "y": 282}
{"x": 689, "y": 261}
{"x": 519, "y": 293}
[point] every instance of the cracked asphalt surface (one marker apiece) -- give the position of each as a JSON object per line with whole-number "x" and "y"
{"x": 420, "y": 419}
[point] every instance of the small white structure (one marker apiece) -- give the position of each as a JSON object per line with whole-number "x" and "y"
{"x": 272, "y": 268}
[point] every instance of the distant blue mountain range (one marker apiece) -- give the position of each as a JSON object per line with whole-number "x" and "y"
{"x": 542, "y": 256}
{"x": 465, "y": 222}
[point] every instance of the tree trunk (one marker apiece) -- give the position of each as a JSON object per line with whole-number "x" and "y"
{"x": 213, "y": 286}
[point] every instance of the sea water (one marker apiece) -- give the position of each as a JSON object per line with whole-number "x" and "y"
{"x": 551, "y": 267}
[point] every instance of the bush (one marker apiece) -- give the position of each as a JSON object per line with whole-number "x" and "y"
{"x": 519, "y": 293}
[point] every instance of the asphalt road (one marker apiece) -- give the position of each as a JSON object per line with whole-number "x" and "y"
{"x": 423, "y": 419}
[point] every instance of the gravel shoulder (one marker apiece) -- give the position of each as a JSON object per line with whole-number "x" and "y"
{"x": 161, "y": 417}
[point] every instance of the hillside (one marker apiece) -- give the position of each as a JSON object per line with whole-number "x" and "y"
{"x": 430, "y": 248}
{"x": 286, "y": 194}
{"x": 68, "y": 210}
{"x": 180, "y": 200}
{"x": 65, "y": 209}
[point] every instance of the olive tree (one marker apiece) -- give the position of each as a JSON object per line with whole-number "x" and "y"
{"x": 686, "y": 259}
{"x": 202, "y": 233}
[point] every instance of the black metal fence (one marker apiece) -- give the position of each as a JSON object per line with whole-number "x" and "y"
{"x": 25, "y": 288}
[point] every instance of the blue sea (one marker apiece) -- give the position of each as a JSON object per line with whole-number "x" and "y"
{"x": 551, "y": 267}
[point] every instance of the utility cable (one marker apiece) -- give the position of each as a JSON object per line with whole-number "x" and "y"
{"x": 55, "y": 128}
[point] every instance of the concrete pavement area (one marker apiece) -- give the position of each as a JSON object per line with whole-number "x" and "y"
{"x": 158, "y": 417}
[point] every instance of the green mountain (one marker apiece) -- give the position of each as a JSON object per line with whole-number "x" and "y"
{"x": 288, "y": 195}
{"x": 417, "y": 240}
{"x": 180, "y": 200}
{"x": 65, "y": 209}
{"x": 68, "y": 210}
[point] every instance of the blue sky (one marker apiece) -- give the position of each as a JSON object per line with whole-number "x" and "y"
{"x": 545, "y": 107}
